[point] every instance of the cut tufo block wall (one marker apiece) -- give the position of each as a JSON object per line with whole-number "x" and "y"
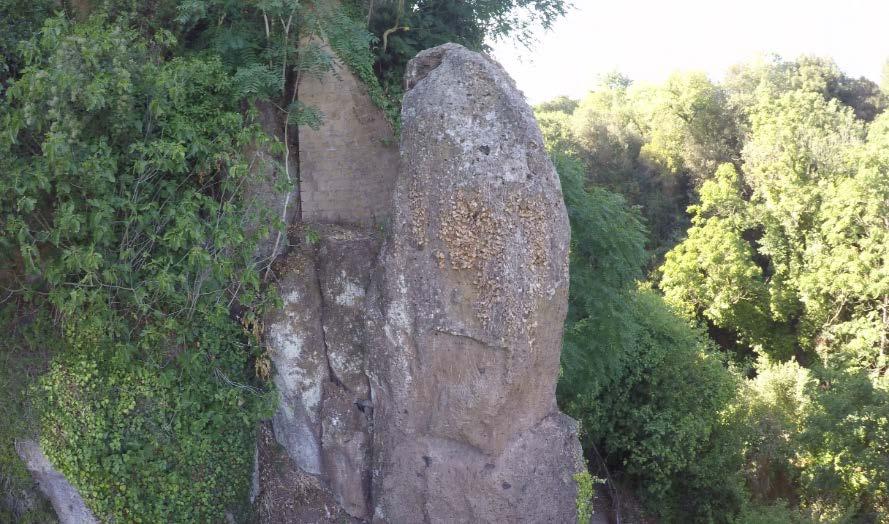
{"x": 348, "y": 166}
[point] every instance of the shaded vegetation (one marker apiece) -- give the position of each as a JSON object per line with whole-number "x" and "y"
{"x": 128, "y": 243}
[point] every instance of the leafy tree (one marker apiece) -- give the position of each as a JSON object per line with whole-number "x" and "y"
{"x": 405, "y": 27}
{"x": 646, "y": 386}
{"x": 561, "y": 104}
{"x": 773, "y": 408}
{"x": 843, "y": 449}
{"x": 120, "y": 175}
{"x": 664, "y": 419}
{"x": 784, "y": 262}
{"x": 606, "y": 258}
{"x": 713, "y": 272}
{"x": 19, "y": 19}
{"x": 790, "y": 255}
{"x": 687, "y": 126}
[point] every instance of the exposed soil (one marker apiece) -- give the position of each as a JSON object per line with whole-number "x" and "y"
{"x": 286, "y": 494}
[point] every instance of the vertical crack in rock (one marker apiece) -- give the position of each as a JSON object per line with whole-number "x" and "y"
{"x": 331, "y": 279}
{"x": 345, "y": 262}
{"x": 324, "y": 347}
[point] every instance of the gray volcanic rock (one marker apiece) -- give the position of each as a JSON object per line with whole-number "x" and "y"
{"x": 468, "y": 307}
{"x": 295, "y": 338}
{"x": 65, "y": 499}
{"x": 346, "y": 258}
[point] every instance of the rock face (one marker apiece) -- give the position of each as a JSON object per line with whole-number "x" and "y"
{"x": 65, "y": 500}
{"x": 418, "y": 382}
{"x": 471, "y": 300}
{"x": 317, "y": 343}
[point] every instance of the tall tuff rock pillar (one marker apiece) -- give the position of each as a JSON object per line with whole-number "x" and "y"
{"x": 471, "y": 298}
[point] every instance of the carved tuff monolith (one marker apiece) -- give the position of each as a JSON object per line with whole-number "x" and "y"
{"x": 470, "y": 303}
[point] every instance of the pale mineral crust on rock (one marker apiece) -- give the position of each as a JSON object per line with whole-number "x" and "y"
{"x": 295, "y": 338}
{"x": 466, "y": 322}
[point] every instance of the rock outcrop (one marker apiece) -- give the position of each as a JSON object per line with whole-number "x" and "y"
{"x": 470, "y": 307}
{"x": 317, "y": 343}
{"x": 419, "y": 385}
{"x": 65, "y": 499}
{"x": 417, "y": 350}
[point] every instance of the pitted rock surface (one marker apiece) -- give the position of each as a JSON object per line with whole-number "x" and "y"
{"x": 467, "y": 310}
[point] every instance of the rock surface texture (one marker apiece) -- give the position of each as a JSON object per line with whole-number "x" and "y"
{"x": 471, "y": 301}
{"x": 317, "y": 343}
{"x": 65, "y": 500}
{"x": 417, "y": 380}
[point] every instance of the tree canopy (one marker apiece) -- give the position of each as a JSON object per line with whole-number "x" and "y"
{"x": 766, "y": 198}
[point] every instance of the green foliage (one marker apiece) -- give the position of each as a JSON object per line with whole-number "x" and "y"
{"x": 789, "y": 255}
{"x": 605, "y": 260}
{"x": 784, "y": 257}
{"x": 687, "y": 126}
{"x": 713, "y": 273}
{"x": 777, "y": 513}
{"x": 123, "y": 220}
{"x": 352, "y": 43}
{"x": 403, "y": 28}
{"x": 816, "y": 438}
{"x": 152, "y": 439}
{"x": 773, "y": 408}
{"x": 19, "y": 19}
{"x": 649, "y": 144}
{"x": 844, "y": 445}
{"x": 664, "y": 420}
{"x": 644, "y": 384}
{"x": 127, "y": 186}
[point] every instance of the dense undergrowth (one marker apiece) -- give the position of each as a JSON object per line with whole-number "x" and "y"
{"x": 124, "y": 221}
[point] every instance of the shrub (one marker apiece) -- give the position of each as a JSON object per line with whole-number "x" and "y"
{"x": 121, "y": 179}
{"x": 665, "y": 420}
